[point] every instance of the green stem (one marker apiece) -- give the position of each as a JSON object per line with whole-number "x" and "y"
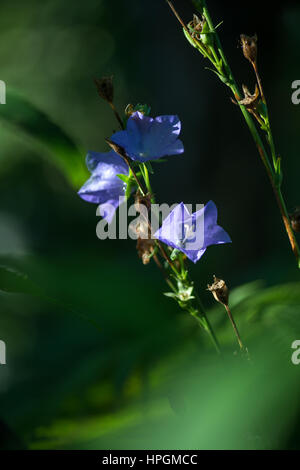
{"x": 164, "y": 273}
{"x": 146, "y": 178}
{"x": 272, "y": 145}
{"x": 205, "y": 323}
{"x": 268, "y": 130}
{"x": 216, "y": 59}
{"x": 145, "y": 173}
{"x": 257, "y": 139}
{"x": 235, "y": 329}
{"x": 198, "y": 314}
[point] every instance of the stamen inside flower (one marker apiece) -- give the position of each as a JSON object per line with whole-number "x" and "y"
{"x": 188, "y": 231}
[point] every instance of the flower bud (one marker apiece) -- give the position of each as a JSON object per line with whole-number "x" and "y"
{"x": 105, "y": 88}
{"x": 219, "y": 290}
{"x": 129, "y": 110}
{"x": 249, "y": 46}
{"x": 142, "y": 108}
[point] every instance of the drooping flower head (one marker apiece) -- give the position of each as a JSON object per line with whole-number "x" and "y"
{"x": 192, "y": 233}
{"x": 104, "y": 186}
{"x": 146, "y": 138}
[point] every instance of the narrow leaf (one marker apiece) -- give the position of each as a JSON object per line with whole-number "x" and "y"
{"x": 61, "y": 150}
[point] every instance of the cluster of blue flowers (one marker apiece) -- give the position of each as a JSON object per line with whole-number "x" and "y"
{"x": 146, "y": 139}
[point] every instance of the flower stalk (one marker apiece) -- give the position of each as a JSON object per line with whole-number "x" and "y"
{"x": 184, "y": 287}
{"x": 188, "y": 299}
{"x": 223, "y": 71}
{"x": 126, "y": 168}
{"x": 182, "y": 293}
{"x": 235, "y": 329}
{"x": 220, "y": 293}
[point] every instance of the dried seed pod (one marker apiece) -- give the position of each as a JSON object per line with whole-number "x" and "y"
{"x": 196, "y": 27}
{"x": 145, "y": 249}
{"x": 145, "y": 243}
{"x": 105, "y": 88}
{"x": 249, "y": 46}
{"x": 250, "y": 100}
{"x": 195, "y": 24}
{"x": 219, "y": 290}
{"x": 142, "y": 200}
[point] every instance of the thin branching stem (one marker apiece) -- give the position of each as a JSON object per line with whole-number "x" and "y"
{"x": 199, "y": 313}
{"x": 274, "y": 177}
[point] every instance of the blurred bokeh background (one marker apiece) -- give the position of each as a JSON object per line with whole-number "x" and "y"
{"x": 96, "y": 356}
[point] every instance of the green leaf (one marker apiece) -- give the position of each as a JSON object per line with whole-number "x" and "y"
{"x": 149, "y": 167}
{"x": 13, "y": 281}
{"x": 123, "y": 178}
{"x": 171, "y": 294}
{"x": 60, "y": 148}
{"x": 174, "y": 254}
{"x": 189, "y": 38}
{"x": 221, "y": 76}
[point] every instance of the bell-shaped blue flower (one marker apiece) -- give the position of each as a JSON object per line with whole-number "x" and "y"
{"x": 146, "y": 138}
{"x": 104, "y": 186}
{"x": 192, "y": 233}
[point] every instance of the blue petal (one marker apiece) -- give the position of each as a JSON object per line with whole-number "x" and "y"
{"x": 194, "y": 255}
{"x": 148, "y": 139}
{"x": 202, "y": 230}
{"x": 98, "y": 191}
{"x": 121, "y": 138}
{"x": 108, "y": 209}
{"x": 214, "y": 234}
{"x": 104, "y": 186}
{"x": 160, "y": 140}
{"x": 111, "y": 158}
{"x": 169, "y": 232}
{"x": 175, "y": 148}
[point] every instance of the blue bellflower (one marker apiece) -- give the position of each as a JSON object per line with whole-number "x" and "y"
{"x": 104, "y": 186}
{"x": 146, "y": 138}
{"x": 192, "y": 233}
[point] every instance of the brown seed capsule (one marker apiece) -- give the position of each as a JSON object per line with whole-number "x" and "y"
{"x": 145, "y": 248}
{"x": 295, "y": 220}
{"x": 142, "y": 200}
{"x": 195, "y": 26}
{"x": 219, "y": 290}
{"x": 145, "y": 243}
{"x": 250, "y": 100}
{"x": 249, "y": 46}
{"x": 105, "y": 88}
